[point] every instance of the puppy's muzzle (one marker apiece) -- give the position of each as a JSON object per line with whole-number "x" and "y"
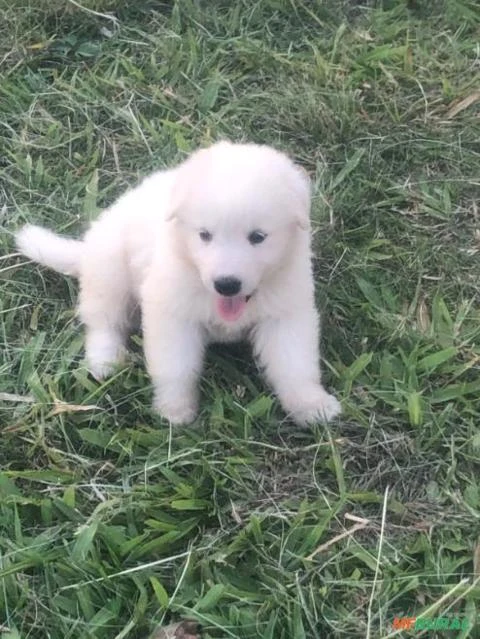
{"x": 227, "y": 286}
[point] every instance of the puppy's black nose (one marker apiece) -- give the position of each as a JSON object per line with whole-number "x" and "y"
{"x": 227, "y": 286}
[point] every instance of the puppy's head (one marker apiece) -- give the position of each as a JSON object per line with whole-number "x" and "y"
{"x": 238, "y": 208}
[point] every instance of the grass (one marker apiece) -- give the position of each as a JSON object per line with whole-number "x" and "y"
{"x": 111, "y": 523}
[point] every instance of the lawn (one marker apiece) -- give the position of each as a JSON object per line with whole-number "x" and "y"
{"x": 110, "y": 522}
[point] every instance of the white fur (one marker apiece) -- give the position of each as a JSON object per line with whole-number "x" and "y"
{"x": 40, "y": 245}
{"x": 146, "y": 250}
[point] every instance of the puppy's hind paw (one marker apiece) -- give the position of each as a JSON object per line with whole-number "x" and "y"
{"x": 100, "y": 370}
{"x": 182, "y": 630}
{"x": 104, "y": 352}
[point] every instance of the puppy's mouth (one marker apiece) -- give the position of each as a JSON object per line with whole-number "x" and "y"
{"x": 231, "y": 308}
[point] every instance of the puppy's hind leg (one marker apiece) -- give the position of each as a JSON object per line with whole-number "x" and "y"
{"x": 105, "y": 308}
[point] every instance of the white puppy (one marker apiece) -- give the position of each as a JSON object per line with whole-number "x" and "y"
{"x": 216, "y": 249}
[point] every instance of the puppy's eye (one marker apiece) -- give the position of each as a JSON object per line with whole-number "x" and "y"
{"x": 256, "y": 237}
{"x": 205, "y": 236}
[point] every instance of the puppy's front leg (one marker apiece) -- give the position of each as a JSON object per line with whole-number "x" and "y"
{"x": 287, "y": 348}
{"x": 174, "y": 352}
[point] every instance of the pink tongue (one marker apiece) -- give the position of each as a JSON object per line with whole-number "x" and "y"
{"x": 230, "y": 308}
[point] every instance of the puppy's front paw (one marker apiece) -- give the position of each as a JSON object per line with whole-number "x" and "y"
{"x": 312, "y": 404}
{"x": 177, "y": 410}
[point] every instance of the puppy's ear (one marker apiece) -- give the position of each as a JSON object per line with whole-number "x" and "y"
{"x": 303, "y": 188}
{"x": 175, "y": 200}
{"x": 172, "y": 213}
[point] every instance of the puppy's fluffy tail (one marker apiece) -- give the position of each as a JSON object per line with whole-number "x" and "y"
{"x": 40, "y": 245}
